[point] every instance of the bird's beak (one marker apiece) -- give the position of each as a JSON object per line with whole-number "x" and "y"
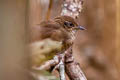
{"x": 81, "y": 28}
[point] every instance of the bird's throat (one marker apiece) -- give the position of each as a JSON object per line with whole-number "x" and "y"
{"x": 72, "y": 35}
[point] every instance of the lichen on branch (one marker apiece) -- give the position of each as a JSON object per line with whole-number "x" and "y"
{"x": 72, "y": 8}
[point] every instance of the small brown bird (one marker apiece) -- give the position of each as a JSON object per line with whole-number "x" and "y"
{"x": 61, "y": 29}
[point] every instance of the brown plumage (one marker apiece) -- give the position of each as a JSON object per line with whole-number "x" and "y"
{"x": 60, "y": 32}
{"x": 61, "y": 29}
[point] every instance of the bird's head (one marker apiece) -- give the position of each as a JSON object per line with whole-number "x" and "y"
{"x": 68, "y": 23}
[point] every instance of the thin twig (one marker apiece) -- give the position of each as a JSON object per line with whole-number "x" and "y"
{"x": 48, "y": 64}
{"x": 62, "y": 68}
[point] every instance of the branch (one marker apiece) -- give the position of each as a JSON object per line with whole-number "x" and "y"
{"x": 72, "y": 68}
{"x": 47, "y": 65}
{"x": 72, "y": 8}
{"x": 62, "y": 70}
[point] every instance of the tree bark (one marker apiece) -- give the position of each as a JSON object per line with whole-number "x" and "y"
{"x": 72, "y": 68}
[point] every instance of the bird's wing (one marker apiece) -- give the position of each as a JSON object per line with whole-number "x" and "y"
{"x": 48, "y": 29}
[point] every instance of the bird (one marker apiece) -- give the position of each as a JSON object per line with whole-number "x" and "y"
{"x": 61, "y": 29}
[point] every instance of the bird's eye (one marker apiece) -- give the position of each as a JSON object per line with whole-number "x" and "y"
{"x": 71, "y": 24}
{"x": 68, "y": 24}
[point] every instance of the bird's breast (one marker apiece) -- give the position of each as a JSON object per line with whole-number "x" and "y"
{"x": 72, "y": 35}
{"x": 69, "y": 40}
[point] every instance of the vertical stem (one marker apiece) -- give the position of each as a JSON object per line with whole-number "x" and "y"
{"x": 62, "y": 70}
{"x": 72, "y": 8}
{"x": 118, "y": 32}
{"x": 49, "y": 9}
{"x": 62, "y": 67}
{"x": 72, "y": 68}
